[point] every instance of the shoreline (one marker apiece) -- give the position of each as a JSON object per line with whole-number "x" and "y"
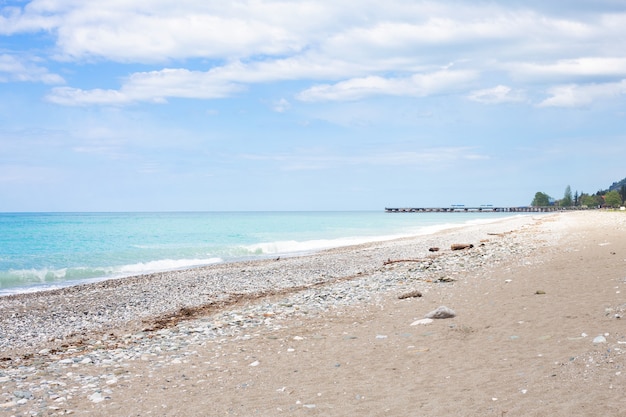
{"x": 128, "y": 302}
{"x": 293, "y": 249}
{"x": 334, "y": 333}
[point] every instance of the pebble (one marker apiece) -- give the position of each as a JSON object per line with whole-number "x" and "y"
{"x": 441, "y": 312}
{"x": 422, "y": 322}
{"x": 96, "y": 397}
{"x": 599, "y": 339}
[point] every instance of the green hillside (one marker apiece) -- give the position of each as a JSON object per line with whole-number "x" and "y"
{"x": 617, "y": 186}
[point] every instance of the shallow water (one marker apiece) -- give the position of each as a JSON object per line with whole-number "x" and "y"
{"x": 47, "y": 250}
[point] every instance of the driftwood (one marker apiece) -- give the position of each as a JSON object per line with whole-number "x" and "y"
{"x": 395, "y": 261}
{"x": 410, "y": 294}
{"x": 501, "y": 234}
{"x": 434, "y": 249}
{"x": 460, "y": 246}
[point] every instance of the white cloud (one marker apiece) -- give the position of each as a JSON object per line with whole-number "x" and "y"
{"x": 417, "y": 85}
{"x": 154, "y": 86}
{"x": 345, "y": 50}
{"x": 13, "y": 68}
{"x": 152, "y": 31}
{"x": 571, "y": 68}
{"x": 160, "y": 30}
{"x": 574, "y": 95}
{"x": 157, "y": 86}
{"x": 497, "y": 95}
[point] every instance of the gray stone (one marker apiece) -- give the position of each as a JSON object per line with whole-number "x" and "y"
{"x": 441, "y": 312}
{"x": 23, "y": 394}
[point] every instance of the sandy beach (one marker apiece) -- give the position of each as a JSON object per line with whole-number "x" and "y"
{"x": 538, "y": 329}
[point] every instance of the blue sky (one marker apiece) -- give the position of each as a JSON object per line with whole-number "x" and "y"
{"x": 307, "y": 105}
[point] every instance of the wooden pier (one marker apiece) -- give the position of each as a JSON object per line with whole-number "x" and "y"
{"x": 481, "y": 209}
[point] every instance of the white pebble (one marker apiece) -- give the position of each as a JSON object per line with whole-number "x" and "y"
{"x": 96, "y": 397}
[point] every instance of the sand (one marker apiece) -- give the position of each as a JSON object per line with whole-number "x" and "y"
{"x": 521, "y": 344}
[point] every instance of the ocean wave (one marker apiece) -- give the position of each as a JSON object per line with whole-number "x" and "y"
{"x": 308, "y": 246}
{"x": 164, "y": 265}
{"x": 293, "y": 246}
{"x": 31, "y": 280}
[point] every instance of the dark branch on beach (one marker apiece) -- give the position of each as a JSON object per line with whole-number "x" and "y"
{"x": 394, "y": 261}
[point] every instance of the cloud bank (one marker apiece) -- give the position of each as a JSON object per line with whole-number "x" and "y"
{"x": 335, "y": 51}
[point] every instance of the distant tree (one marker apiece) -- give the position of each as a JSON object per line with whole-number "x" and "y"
{"x": 587, "y": 200}
{"x": 623, "y": 192}
{"x": 567, "y": 197}
{"x": 541, "y": 200}
{"x": 576, "y": 197}
{"x": 613, "y": 199}
{"x": 591, "y": 200}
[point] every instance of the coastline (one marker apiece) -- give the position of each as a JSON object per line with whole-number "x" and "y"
{"x": 60, "y": 315}
{"x": 188, "y": 241}
{"x": 331, "y": 332}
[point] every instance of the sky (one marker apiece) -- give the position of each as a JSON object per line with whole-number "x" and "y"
{"x": 214, "y": 105}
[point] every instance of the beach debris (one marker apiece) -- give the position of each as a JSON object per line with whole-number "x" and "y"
{"x": 422, "y": 322}
{"x": 433, "y": 249}
{"x": 445, "y": 279}
{"x": 599, "y": 339}
{"x": 395, "y": 261}
{"x": 410, "y": 294}
{"x": 461, "y": 246}
{"x": 441, "y": 312}
{"x": 540, "y": 292}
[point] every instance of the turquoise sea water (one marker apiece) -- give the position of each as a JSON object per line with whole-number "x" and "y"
{"x": 48, "y": 250}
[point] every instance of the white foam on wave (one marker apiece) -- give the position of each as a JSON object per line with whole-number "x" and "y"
{"x": 164, "y": 265}
{"x": 35, "y": 280}
{"x": 293, "y": 246}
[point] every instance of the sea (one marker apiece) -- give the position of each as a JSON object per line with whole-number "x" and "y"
{"x": 40, "y": 251}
